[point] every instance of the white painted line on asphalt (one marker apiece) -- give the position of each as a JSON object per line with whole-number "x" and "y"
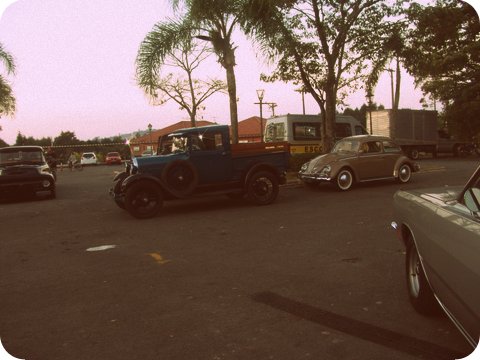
{"x": 101, "y": 248}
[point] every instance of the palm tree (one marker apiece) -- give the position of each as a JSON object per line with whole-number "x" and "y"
{"x": 189, "y": 93}
{"x": 7, "y": 100}
{"x": 210, "y": 20}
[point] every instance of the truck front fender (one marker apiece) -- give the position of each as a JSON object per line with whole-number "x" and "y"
{"x": 139, "y": 177}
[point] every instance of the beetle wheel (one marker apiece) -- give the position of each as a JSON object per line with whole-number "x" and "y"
{"x": 404, "y": 173}
{"x": 344, "y": 180}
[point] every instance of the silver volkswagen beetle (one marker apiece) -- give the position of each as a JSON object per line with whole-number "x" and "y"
{"x": 358, "y": 159}
{"x": 440, "y": 229}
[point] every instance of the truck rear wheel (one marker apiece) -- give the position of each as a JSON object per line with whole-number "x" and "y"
{"x": 143, "y": 199}
{"x": 413, "y": 154}
{"x": 262, "y": 188}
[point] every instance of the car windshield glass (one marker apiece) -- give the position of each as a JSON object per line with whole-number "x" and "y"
{"x": 173, "y": 144}
{"x": 346, "y": 146}
{"x": 15, "y": 157}
{"x": 88, "y": 156}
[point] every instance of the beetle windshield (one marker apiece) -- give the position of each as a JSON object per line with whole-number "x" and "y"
{"x": 23, "y": 156}
{"x": 346, "y": 146}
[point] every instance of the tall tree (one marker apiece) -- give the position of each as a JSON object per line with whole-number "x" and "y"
{"x": 443, "y": 54}
{"x": 188, "y": 92}
{"x": 322, "y": 44}
{"x": 213, "y": 21}
{"x": 391, "y": 51}
{"x": 7, "y": 100}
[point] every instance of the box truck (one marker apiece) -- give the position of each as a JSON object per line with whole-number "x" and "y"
{"x": 414, "y": 130}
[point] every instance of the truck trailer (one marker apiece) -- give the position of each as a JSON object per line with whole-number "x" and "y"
{"x": 414, "y": 130}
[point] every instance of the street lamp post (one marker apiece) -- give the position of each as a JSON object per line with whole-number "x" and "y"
{"x": 149, "y": 126}
{"x": 369, "y": 98}
{"x": 260, "y": 94}
{"x": 302, "y": 91}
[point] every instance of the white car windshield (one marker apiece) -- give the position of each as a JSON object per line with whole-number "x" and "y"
{"x": 346, "y": 146}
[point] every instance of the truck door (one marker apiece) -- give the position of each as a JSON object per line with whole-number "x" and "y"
{"x": 209, "y": 156}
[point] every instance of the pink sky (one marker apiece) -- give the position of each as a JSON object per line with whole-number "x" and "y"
{"x": 75, "y": 71}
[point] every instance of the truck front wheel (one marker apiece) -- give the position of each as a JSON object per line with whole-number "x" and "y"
{"x": 143, "y": 199}
{"x": 262, "y": 188}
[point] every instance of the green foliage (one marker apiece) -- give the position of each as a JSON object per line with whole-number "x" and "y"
{"x": 443, "y": 54}
{"x": 209, "y": 20}
{"x": 188, "y": 92}
{"x": 322, "y": 45}
{"x": 3, "y": 143}
{"x": 7, "y": 100}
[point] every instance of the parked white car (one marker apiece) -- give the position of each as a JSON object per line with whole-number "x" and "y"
{"x": 88, "y": 158}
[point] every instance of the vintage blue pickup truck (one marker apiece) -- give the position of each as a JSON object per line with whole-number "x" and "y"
{"x": 198, "y": 161}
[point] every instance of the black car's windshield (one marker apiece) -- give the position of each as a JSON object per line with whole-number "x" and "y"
{"x": 346, "y": 146}
{"x": 18, "y": 157}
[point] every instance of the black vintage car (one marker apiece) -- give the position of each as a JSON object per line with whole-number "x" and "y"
{"x": 24, "y": 171}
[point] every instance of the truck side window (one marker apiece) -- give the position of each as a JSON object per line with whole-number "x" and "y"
{"x": 306, "y": 131}
{"x": 218, "y": 141}
{"x": 342, "y": 130}
{"x": 359, "y": 130}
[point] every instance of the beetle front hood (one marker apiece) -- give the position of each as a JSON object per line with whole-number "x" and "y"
{"x": 320, "y": 161}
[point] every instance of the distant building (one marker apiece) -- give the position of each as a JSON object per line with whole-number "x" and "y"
{"x": 249, "y": 130}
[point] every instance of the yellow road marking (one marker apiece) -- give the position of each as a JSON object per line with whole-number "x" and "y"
{"x": 158, "y": 258}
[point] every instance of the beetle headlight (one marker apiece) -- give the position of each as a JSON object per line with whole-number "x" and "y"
{"x": 326, "y": 170}
{"x": 304, "y": 167}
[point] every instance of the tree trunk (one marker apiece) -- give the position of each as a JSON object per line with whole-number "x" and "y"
{"x": 232, "y": 94}
{"x": 328, "y": 135}
{"x": 397, "y": 85}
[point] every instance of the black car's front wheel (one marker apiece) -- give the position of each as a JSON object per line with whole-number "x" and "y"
{"x": 143, "y": 199}
{"x": 419, "y": 291}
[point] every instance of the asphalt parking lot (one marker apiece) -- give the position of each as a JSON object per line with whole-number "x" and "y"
{"x": 317, "y": 275}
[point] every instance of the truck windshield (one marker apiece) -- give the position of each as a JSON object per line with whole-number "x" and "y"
{"x": 173, "y": 144}
{"x": 16, "y": 157}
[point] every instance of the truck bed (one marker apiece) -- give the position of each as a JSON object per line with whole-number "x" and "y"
{"x": 249, "y": 149}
